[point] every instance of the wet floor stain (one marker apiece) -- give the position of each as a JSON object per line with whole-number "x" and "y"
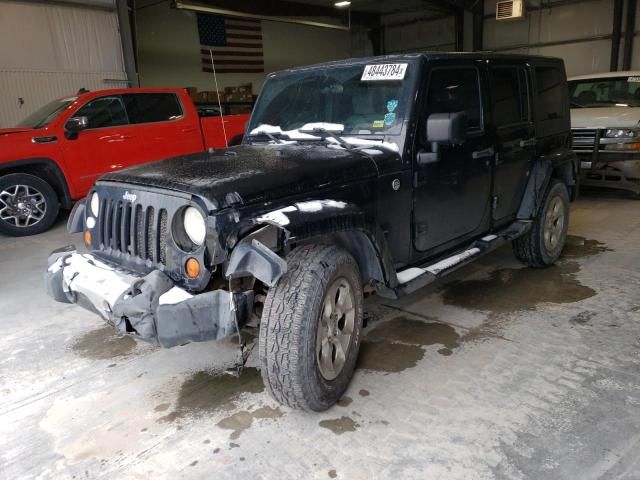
{"x": 104, "y": 343}
{"x": 580, "y": 247}
{"x": 396, "y": 345}
{"x": 162, "y": 407}
{"x": 582, "y": 318}
{"x": 345, "y": 401}
{"x": 364, "y": 393}
{"x": 205, "y": 392}
{"x": 339, "y": 425}
{"x": 332, "y": 473}
{"x": 241, "y": 421}
{"x": 512, "y": 289}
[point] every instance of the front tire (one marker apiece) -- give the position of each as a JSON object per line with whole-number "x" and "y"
{"x": 542, "y": 245}
{"x": 310, "y": 329}
{"x": 28, "y": 205}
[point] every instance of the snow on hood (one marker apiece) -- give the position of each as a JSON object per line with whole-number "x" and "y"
{"x": 605, "y": 117}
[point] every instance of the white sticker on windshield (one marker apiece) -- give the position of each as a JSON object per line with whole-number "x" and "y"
{"x": 384, "y": 71}
{"x": 633, "y": 79}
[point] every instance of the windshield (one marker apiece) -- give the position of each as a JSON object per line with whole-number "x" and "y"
{"x": 605, "y": 92}
{"x": 44, "y": 115}
{"x": 362, "y": 99}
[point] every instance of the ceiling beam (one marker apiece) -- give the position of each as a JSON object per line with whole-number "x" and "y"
{"x": 285, "y": 8}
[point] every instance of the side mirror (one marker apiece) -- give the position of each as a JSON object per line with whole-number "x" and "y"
{"x": 74, "y": 126}
{"x": 443, "y": 129}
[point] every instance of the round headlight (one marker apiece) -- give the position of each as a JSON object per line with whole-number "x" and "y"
{"x": 94, "y": 204}
{"x": 194, "y": 225}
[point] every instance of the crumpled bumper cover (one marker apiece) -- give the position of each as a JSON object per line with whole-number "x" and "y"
{"x": 152, "y": 307}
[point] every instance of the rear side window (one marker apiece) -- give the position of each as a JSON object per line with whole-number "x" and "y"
{"x": 104, "y": 112}
{"x": 152, "y": 107}
{"x": 455, "y": 90}
{"x": 551, "y": 93}
{"x": 509, "y": 94}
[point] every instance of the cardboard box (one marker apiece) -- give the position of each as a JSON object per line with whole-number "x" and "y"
{"x": 238, "y": 97}
{"x": 244, "y": 89}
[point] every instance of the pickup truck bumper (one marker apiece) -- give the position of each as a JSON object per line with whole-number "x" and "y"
{"x": 152, "y": 307}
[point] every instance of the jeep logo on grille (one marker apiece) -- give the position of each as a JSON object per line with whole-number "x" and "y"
{"x": 129, "y": 197}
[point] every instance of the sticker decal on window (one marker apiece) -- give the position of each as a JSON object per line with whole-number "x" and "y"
{"x": 378, "y": 124}
{"x": 386, "y": 71}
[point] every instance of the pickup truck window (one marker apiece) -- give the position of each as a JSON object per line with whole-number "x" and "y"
{"x": 455, "y": 90}
{"x": 605, "y": 92}
{"x": 44, "y": 115}
{"x": 344, "y": 96}
{"x": 509, "y": 95}
{"x": 104, "y": 112}
{"x": 152, "y": 107}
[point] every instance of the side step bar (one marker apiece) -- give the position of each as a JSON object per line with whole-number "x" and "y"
{"x": 414, "y": 278}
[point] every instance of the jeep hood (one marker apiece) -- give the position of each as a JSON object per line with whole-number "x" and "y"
{"x": 254, "y": 173}
{"x": 605, "y": 117}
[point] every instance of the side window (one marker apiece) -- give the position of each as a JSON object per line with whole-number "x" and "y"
{"x": 550, "y": 102}
{"x": 455, "y": 90}
{"x": 104, "y": 112}
{"x": 509, "y": 94}
{"x": 152, "y": 107}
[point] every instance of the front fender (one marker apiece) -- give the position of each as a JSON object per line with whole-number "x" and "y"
{"x": 335, "y": 221}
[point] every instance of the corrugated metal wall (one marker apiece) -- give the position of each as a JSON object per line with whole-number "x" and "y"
{"x": 51, "y": 50}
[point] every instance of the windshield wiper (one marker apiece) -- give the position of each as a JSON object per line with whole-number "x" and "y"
{"x": 325, "y": 134}
{"x": 276, "y": 137}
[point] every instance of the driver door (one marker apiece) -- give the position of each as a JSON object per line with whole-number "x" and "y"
{"x": 108, "y": 143}
{"x": 452, "y": 196}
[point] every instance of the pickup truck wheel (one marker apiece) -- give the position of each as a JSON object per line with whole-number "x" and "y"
{"x": 310, "y": 328}
{"x": 28, "y": 205}
{"x": 543, "y": 244}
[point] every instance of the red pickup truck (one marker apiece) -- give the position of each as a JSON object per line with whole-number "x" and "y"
{"x": 53, "y": 157}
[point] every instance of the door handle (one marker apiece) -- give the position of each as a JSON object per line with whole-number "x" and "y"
{"x": 530, "y": 142}
{"x": 487, "y": 152}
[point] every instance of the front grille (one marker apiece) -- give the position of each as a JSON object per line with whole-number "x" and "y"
{"x": 584, "y": 139}
{"x": 133, "y": 230}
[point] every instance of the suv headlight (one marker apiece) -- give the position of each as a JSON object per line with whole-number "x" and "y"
{"x": 94, "y": 204}
{"x": 195, "y": 225}
{"x": 621, "y": 133}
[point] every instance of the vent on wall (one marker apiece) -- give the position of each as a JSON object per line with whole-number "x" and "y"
{"x": 509, "y": 9}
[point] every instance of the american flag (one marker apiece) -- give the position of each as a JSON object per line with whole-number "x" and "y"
{"x": 236, "y": 44}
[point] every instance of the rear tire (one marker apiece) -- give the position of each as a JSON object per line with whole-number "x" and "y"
{"x": 28, "y": 205}
{"x": 542, "y": 245}
{"x": 310, "y": 328}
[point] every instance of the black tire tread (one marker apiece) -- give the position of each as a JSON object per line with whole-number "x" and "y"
{"x": 283, "y": 322}
{"x": 528, "y": 248}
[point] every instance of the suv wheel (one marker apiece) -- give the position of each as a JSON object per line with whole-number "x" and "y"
{"x": 310, "y": 328}
{"x": 28, "y": 205}
{"x": 543, "y": 244}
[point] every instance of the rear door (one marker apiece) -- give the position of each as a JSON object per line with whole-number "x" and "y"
{"x": 515, "y": 141}
{"x": 451, "y": 197}
{"x": 109, "y": 143}
{"x": 162, "y": 121}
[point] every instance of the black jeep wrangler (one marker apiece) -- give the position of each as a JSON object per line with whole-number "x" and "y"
{"x": 378, "y": 174}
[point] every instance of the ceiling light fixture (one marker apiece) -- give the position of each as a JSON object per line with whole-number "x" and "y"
{"x": 342, "y": 4}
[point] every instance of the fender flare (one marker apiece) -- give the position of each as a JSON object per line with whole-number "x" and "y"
{"x": 342, "y": 223}
{"x": 16, "y": 166}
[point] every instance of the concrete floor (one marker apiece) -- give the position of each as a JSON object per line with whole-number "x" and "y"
{"x": 503, "y": 372}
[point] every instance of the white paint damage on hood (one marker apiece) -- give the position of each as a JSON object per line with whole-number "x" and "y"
{"x": 605, "y": 117}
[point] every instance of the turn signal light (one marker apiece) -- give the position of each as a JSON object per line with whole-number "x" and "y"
{"x": 192, "y": 267}
{"x": 87, "y": 237}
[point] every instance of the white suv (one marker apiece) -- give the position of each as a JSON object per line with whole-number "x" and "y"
{"x": 605, "y": 122}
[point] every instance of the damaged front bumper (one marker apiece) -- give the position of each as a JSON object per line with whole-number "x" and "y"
{"x": 152, "y": 307}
